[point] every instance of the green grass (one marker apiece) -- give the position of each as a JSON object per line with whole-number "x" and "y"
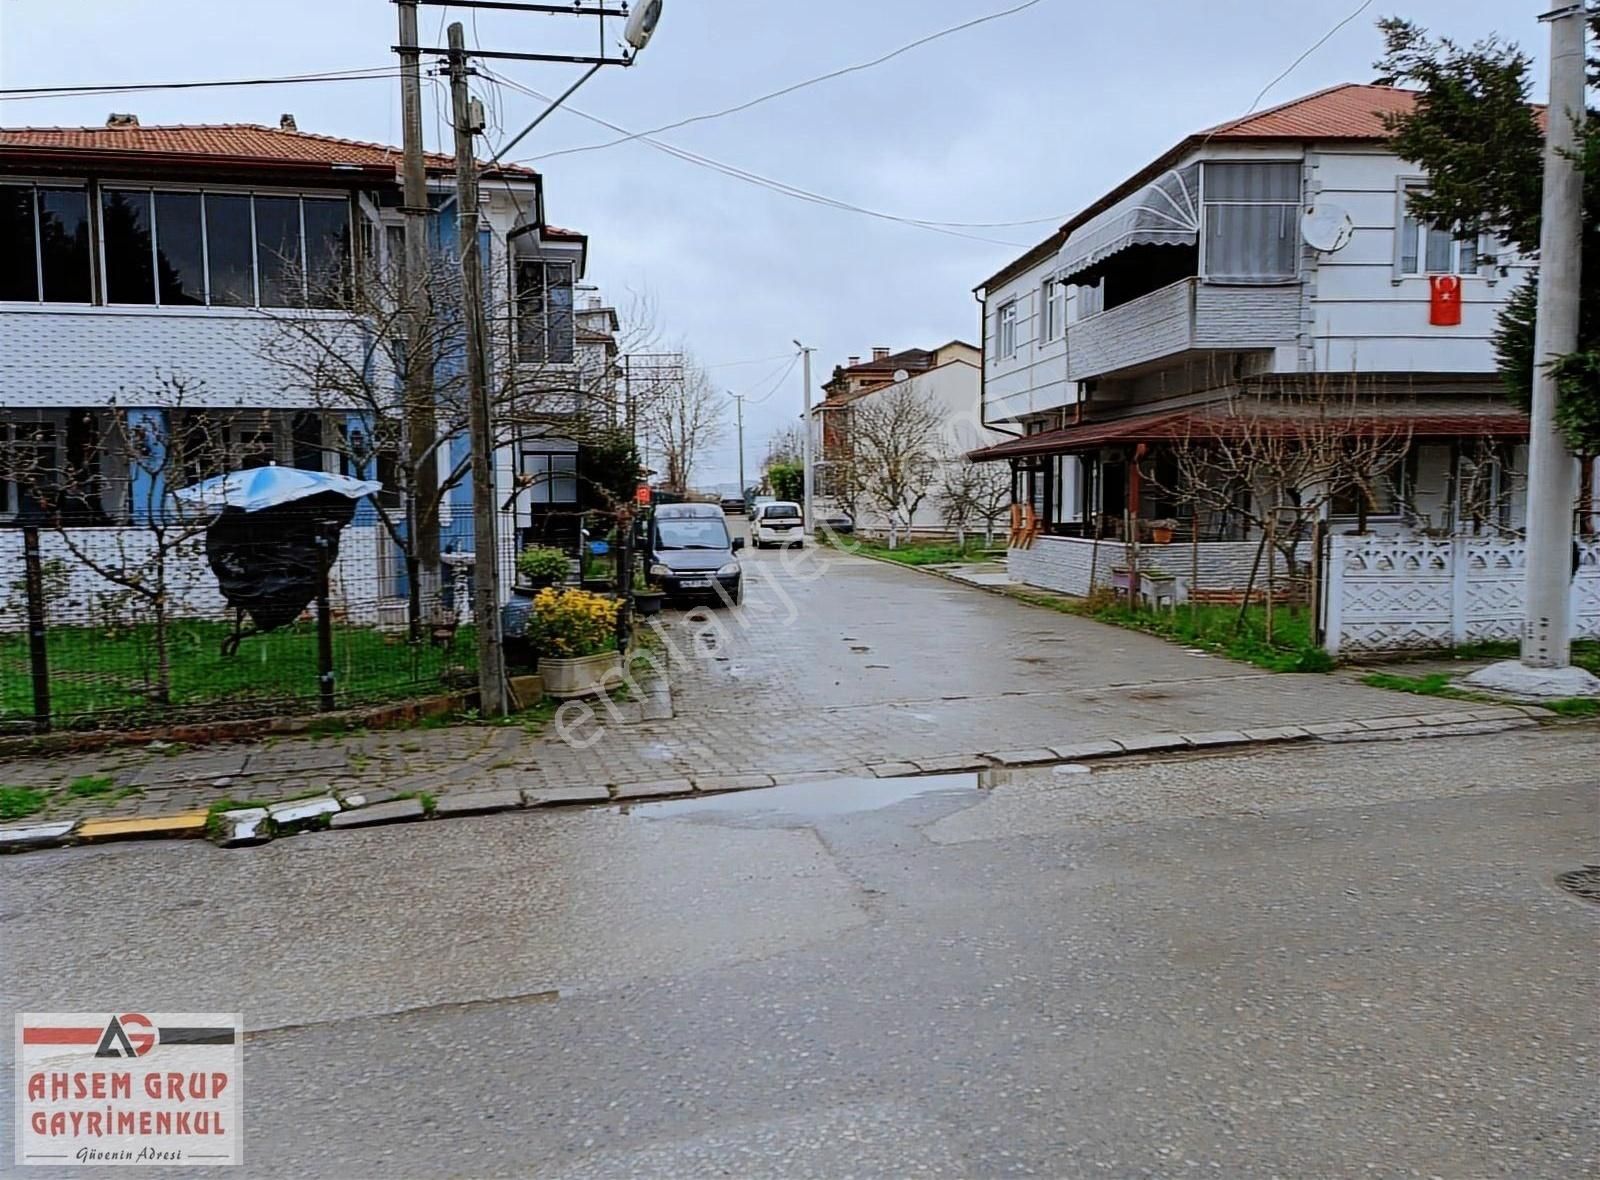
{"x": 20, "y": 802}
{"x": 916, "y": 552}
{"x": 1212, "y": 628}
{"x": 1437, "y": 684}
{"x": 90, "y": 784}
{"x": 111, "y": 679}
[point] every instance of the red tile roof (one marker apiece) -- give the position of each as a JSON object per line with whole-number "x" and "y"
{"x": 220, "y": 141}
{"x": 1199, "y": 425}
{"x": 1349, "y": 110}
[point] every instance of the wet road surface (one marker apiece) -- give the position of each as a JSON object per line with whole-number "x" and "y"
{"x": 1333, "y": 960}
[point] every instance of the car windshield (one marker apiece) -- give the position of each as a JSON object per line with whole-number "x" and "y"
{"x": 692, "y": 533}
{"x": 773, "y": 511}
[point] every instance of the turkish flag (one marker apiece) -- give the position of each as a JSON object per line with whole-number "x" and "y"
{"x": 1444, "y": 300}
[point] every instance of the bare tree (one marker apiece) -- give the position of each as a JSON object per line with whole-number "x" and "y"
{"x": 1276, "y": 459}
{"x": 127, "y": 472}
{"x": 787, "y": 445}
{"x": 682, "y": 416}
{"x": 894, "y": 447}
{"x": 974, "y": 494}
{"x": 357, "y": 364}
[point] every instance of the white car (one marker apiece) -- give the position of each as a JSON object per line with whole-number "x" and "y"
{"x": 777, "y": 523}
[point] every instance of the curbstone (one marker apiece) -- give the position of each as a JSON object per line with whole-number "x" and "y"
{"x": 549, "y": 796}
{"x": 298, "y": 811}
{"x": 950, "y": 764}
{"x": 1151, "y": 743}
{"x": 1278, "y": 733}
{"x": 242, "y": 827}
{"x": 1445, "y": 718}
{"x": 663, "y": 786}
{"x": 182, "y": 825}
{"x": 18, "y": 837}
{"x": 733, "y": 782}
{"x": 892, "y": 769}
{"x": 395, "y": 811}
{"x": 1023, "y": 757}
{"x": 1099, "y": 749}
{"x": 477, "y": 802}
{"x": 1215, "y": 737}
{"x": 1331, "y": 728}
{"x": 1379, "y": 724}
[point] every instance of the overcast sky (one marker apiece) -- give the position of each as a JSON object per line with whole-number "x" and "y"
{"x": 1029, "y": 116}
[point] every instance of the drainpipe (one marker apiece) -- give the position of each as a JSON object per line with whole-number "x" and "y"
{"x": 983, "y": 373}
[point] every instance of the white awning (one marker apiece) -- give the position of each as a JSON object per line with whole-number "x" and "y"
{"x": 1165, "y": 212}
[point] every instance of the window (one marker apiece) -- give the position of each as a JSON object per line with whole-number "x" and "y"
{"x": 1006, "y": 329}
{"x": 44, "y": 244}
{"x": 555, "y": 477}
{"x": 1431, "y": 249}
{"x": 34, "y": 460}
{"x": 1252, "y": 214}
{"x": 1084, "y": 301}
{"x": 1052, "y": 301}
{"x": 544, "y": 311}
{"x": 225, "y": 249}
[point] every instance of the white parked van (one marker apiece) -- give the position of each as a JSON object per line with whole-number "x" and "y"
{"x": 777, "y": 523}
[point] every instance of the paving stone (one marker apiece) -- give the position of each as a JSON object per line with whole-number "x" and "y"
{"x": 1023, "y": 757}
{"x": 1279, "y": 733}
{"x": 1100, "y": 749}
{"x": 732, "y": 782}
{"x": 1147, "y": 743}
{"x": 1446, "y": 718}
{"x": 951, "y": 764}
{"x": 1331, "y": 728}
{"x": 1496, "y": 713}
{"x": 182, "y": 825}
{"x": 662, "y": 786}
{"x": 1379, "y": 724}
{"x": 1537, "y": 712}
{"x": 15, "y": 837}
{"x": 547, "y": 796}
{"x": 241, "y": 827}
{"x": 893, "y": 769}
{"x": 477, "y": 802}
{"x": 1215, "y": 737}
{"x": 394, "y": 811}
{"x": 300, "y": 810}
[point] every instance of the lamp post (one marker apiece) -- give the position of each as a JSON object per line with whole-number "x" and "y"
{"x": 807, "y": 524}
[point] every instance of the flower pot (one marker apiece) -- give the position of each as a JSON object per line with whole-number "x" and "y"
{"x": 580, "y": 675}
{"x": 1161, "y": 536}
{"x": 647, "y": 602}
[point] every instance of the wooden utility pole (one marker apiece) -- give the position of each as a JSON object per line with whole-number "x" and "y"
{"x": 492, "y": 696}
{"x": 421, "y": 422}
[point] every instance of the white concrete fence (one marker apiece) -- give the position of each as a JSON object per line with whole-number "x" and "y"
{"x": 1400, "y": 593}
{"x": 1065, "y": 564}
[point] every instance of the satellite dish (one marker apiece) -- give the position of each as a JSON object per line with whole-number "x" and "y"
{"x": 901, "y": 375}
{"x": 1326, "y": 228}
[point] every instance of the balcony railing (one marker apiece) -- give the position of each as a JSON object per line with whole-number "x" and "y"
{"x": 1189, "y": 315}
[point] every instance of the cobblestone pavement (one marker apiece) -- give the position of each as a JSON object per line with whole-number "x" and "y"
{"x": 832, "y": 663}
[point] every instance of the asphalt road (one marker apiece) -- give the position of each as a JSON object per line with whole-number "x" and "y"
{"x": 1334, "y": 960}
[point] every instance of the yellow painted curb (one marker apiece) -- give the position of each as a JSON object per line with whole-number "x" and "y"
{"x": 183, "y": 824}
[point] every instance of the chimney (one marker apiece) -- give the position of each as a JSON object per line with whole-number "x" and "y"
{"x": 286, "y": 122}
{"x": 117, "y": 119}
{"x": 852, "y": 362}
{"x": 879, "y": 354}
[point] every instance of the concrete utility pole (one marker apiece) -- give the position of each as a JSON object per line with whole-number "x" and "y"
{"x": 1545, "y": 668}
{"x": 467, "y": 114}
{"x": 739, "y": 399}
{"x": 807, "y": 525}
{"x": 421, "y": 423}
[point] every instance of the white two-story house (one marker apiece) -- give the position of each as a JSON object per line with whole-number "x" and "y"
{"x": 1271, "y": 254}
{"x": 150, "y": 268}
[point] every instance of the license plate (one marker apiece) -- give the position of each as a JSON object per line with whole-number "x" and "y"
{"x": 695, "y": 583}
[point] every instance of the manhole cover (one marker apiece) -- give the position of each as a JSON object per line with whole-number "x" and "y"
{"x": 1585, "y": 882}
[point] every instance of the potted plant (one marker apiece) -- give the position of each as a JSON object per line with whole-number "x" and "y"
{"x": 575, "y": 633}
{"x": 538, "y": 567}
{"x": 647, "y": 599}
{"x": 1161, "y": 530}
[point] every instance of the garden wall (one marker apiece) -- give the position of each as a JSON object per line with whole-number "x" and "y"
{"x": 1063, "y": 564}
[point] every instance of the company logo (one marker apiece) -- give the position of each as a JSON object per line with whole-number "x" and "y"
{"x": 129, "y": 1088}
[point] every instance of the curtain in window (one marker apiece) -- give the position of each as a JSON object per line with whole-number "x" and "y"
{"x": 1252, "y": 222}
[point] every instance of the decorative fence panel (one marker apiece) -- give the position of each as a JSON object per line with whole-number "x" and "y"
{"x": 1398, "y": 593}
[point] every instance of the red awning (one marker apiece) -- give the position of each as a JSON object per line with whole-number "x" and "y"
{"x": 1200, "y": 424}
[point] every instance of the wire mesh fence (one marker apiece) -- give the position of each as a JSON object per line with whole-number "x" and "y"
{"x": 122, "y": 627}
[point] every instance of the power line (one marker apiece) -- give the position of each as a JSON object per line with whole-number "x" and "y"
{"x": 1318, "y": 44}
{"x": 832, "y": 74}
{"x": 777, "y": 384}
{"x": 20, "y": 93}
{"x": 778, "y": 186}
{"x": 757, "y": 360}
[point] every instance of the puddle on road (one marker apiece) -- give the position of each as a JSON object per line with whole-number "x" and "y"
{"x": 823, "y": 799}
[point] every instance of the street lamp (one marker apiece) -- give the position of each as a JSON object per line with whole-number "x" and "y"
{"x": 807, "y": 524}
